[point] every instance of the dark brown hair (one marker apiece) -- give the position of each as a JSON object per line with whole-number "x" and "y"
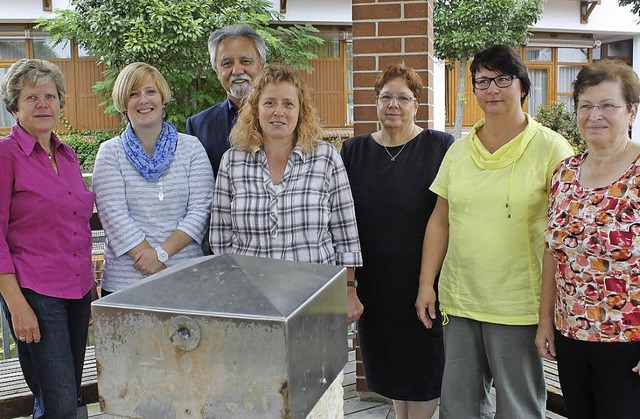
{"x": 506, "y": 60}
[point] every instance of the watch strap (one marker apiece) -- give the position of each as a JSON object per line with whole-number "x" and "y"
{"x": 162, "y": 254}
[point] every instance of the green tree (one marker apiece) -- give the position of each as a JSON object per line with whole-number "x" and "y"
{"x": 564, "y": 122}
{"x": 465, "y": 27}
{"x": 636, "y": 5}
{"x": 172, "y": 36}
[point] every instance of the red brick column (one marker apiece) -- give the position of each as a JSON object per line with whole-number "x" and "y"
{"x": 385, "y": 32}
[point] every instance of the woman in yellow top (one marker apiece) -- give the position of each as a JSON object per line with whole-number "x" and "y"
{"x": 486, "y": 233}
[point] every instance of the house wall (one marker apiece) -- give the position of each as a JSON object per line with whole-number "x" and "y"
{"x": 608, "y": 22}
{"x": 27, "y": 10}
{"x": 335, "y": 12}
{"x": 607, "y": 17}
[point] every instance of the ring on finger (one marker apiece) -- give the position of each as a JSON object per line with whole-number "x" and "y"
{"x": 22, "y": 338}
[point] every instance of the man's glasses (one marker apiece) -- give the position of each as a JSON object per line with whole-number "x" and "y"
{"x": 605, "y": 108}
{"x": 501, "y": 81}
{"x": 402, "y": 99}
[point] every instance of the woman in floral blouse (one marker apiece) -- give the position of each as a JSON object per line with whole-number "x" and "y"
{"x": 593, "y": 241}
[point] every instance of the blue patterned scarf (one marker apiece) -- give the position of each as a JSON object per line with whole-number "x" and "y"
{"x": 151, "y": 168}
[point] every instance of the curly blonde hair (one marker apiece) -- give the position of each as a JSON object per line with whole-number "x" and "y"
{"x": 247, "y": 134}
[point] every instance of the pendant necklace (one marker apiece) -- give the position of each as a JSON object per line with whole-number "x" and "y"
{"x": 393, "y": 158}
{"x": 50, "y": 152}
{"x": 161, "y": 191}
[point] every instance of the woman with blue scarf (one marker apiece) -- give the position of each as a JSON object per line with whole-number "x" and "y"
{"x": 153, "y": 185}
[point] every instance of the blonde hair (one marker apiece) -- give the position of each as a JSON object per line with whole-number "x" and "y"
{"x": 247, "y": 133}
{"x": 130, "y": 77}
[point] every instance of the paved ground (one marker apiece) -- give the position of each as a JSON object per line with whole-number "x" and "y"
{"x": 354, "y": 408}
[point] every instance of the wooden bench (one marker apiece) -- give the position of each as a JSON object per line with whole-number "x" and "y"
{"x": 555, "y": 400}
{"x": 16, "y": 399}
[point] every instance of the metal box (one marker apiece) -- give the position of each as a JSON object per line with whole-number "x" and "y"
{"x": 224, "y": 336}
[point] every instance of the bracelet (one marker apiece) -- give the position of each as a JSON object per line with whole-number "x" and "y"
{"x": 353, "y": 283}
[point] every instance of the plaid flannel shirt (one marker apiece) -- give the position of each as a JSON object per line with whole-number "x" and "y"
{"x": 309, "y": 217}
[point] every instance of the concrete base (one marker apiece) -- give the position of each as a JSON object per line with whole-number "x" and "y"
{"x": 331, "y": 404}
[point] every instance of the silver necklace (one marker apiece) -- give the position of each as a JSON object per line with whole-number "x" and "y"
{"x": 393, "y": 158}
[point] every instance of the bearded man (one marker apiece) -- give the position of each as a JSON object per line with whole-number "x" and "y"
{"x": 238, "y": 54}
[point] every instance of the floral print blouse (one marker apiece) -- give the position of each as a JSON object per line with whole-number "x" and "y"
{"x": 594, "y": 234}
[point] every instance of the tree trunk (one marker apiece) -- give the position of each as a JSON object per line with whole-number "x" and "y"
{"x": 460, "y": 100}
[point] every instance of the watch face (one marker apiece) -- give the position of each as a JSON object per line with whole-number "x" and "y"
{"x": 162, "y": 255}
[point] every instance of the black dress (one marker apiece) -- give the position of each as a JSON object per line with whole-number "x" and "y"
{"x": 402, "y": 359}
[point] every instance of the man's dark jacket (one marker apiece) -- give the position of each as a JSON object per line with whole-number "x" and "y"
{"x": 212, "y": 127}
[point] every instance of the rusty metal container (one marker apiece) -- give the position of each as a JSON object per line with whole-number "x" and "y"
{"x": 222, "y": 337}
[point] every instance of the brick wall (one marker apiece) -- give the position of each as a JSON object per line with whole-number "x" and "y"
{"x": 384, "y": 32}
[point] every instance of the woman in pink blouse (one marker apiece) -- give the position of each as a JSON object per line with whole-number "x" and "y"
{"x": 46, "y": 274}
{"x": 591, "y": 277}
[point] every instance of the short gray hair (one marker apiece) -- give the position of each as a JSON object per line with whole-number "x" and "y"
{"x": 235, "y": 31}
{"x": 30, "y": 71}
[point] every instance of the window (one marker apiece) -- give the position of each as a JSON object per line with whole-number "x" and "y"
{"x": 620, "y": 49}
{"x": 330, "y": 49}
{"x": 6, "y": 120}
{"x": 569, "y": 64}
{"x": 13, "y": 48}
{"x": 84, "y": 53}
{"x": 538, "y": 54}
{"x": 44, "y": 48}
{"x": 596, "y": 53}
{"x": 538, "y": 95}
{"x": 566, "y": 75}
{"x": 573, "y": 55}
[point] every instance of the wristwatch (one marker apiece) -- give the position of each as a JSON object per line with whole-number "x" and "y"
{"x": 353, "y": 283}
{"x": 163, "y": 256}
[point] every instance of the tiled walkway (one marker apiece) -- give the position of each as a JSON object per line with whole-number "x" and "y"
{"x": 354, "y": 408}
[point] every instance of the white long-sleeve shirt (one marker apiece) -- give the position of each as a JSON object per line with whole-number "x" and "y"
{"x": 132, "y": 209}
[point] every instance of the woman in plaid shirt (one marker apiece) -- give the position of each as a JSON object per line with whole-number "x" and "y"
{"x": 282, "y": 192}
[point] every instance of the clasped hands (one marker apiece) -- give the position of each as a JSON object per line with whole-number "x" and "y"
{"x": 146, "y": 262}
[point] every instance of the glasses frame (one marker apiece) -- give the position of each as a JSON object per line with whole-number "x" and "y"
{"x": 396, "y": 98}
{"x": 512, "y": 77}
{"x": 587, "y": 109}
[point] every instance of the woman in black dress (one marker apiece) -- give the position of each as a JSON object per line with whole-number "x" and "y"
{"x": 390, "y": 172}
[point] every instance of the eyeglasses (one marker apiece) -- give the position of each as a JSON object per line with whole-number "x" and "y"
{"x": 605, "y": 108}
{"x": 501, "y": 81}
{"x": 402, "y": 100}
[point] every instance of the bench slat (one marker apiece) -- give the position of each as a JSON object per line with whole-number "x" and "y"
{"x": 16, "y": 398}
{"x": 555, "y": 400}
